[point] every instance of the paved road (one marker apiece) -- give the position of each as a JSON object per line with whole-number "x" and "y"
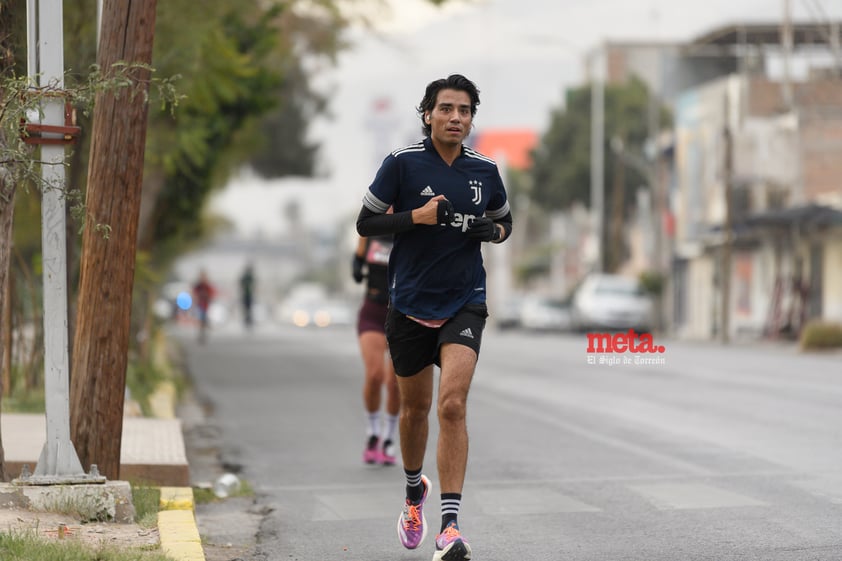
{"x": 718, "y": 454}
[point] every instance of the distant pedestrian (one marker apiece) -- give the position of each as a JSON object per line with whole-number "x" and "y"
{"x": 370, "y": 262}
{"x": 247, "y": 295}
{"x": 447, "y": 198}
{"x": 203, "y": 294}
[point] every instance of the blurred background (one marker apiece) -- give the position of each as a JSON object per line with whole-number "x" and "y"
{"x": 714, "y": 137}
{"x": 677, "y": 161}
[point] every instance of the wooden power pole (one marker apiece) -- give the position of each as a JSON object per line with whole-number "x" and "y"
{"x": 115, "y": 176}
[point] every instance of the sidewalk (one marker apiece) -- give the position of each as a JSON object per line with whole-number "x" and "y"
{"x": 152, "y": 450}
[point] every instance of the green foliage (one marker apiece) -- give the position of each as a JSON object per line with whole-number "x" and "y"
{"x": 243, "y": 77}
{"x": 146, "y": 500}
{"x": 229, "y": 83}
{"x": 652, "y": 282}
{"x": 142, "y": 378}
{"x": 85, "y": 508}
{"x": 28, "y": 546}
{"x": 203, "y": 495}
{"x": 246, "y": 77}
{"x": 562, "y": 162}
{"x": 24, "y": 100}
{"x": 283, "y": 148}
{"x": 818, "y": 335}
{"x": 23, "y": 400}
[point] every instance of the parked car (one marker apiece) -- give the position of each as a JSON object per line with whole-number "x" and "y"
{"x": 545, "y": 314}
{"x": 317, "y": 312}
{"x": 507, "y": 316}
{"x": 611, "y": 302}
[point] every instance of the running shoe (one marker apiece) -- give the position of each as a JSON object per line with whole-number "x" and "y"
{"x": 371, "y": 454}
{"x": 387, "y": 453}
{"x": 412, "y": 525}
{"x": 451, "y": 546}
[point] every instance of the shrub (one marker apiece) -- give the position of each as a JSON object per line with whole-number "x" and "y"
{"x": 146, "y": 499}
{"x": 821, "y": 335}
{"x": 652, "y": 282}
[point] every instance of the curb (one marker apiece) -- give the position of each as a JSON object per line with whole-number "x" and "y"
{"x": 177, "y": 528}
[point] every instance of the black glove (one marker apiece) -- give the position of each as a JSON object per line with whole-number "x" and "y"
{"x": 444, "y": 212}
{"x": 357, "y": 268}
{"x": 483, "y": 229}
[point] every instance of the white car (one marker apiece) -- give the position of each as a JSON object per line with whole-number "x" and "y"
{"x": 544, "y": 314}
{"x": 611, "y": 302}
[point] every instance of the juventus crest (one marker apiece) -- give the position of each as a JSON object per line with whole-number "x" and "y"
{"x": 476, "y": 187}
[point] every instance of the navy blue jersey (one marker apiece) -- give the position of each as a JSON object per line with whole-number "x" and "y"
{"x": 435, "y": 270}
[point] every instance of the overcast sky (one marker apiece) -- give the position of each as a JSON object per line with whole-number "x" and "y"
{"x": 522, "y": 54}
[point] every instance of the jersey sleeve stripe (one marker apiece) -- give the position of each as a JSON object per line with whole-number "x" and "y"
{"x": 499, "y": 212}
{"x": 471, "y": 153}
{"x": 374, "y": 204}
{"x": 417, "y": 147}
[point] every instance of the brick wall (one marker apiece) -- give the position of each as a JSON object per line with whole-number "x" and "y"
{"x": 765, "y": 97}
{"x": 819, "y": 106}
{"x": 821, "y": 148}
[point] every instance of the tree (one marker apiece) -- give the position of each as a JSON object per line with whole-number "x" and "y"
{"x": 285, "y": 149}
{"x": 8, "y": 188}
{"x": 109, "y": 242}
{"x": 248, "y": 101}
{"x": 561, "y": 171}
{"x": 222, "y": 139}
{"x": 197, "y": 146}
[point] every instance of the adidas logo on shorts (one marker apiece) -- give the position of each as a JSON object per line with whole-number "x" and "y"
{"x": 427, "y": 192}
{"x": 467, "y": 333}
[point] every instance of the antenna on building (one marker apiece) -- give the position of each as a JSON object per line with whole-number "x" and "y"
{"x": 786, "y": 46}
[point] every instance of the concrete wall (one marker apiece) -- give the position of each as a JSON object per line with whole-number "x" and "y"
{"x": 699, "y": 299}
{"x": 832, "y": 289}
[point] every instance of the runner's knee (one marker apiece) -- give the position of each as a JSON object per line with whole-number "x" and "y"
{"x": 451, "y": 409}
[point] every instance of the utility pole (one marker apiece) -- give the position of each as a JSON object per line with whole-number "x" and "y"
{"x": 654, "y": 161}
{"x": 597, "y": 64}
{"x": 727, "y": 242}
{"x": 614, "y": 255}
{"x": 58, "y": 463}
{"x": 106, "y": 277}
{"x": 787, "y": 46}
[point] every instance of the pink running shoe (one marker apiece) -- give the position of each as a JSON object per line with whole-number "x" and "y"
{"x": 412, "y": 525}
{"x": 371, "y": 454}
{"x": 387, "y": 454}
{"x": 451, "y": 546}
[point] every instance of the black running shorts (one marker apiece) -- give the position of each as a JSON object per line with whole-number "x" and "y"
{"x": 414, "y": 346}
{"x": 372, "y": 316}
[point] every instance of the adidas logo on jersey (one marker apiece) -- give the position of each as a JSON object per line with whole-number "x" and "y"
{"x": 467, "y": 333}
{"x": 427, "y": 192}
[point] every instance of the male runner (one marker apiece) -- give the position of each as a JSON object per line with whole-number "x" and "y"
{"x": 447, "y": 199}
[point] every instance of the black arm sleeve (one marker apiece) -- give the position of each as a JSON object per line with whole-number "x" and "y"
{"x": 506, "y": 223}
{"x": 372, "y": 224}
